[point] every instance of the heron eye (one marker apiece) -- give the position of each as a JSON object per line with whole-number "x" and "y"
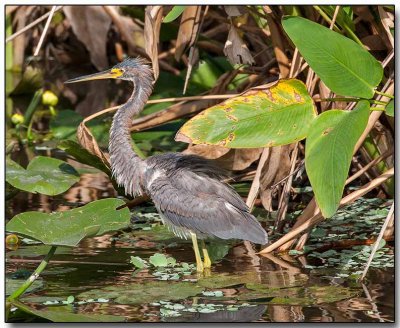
{"x": 117, "y": 72}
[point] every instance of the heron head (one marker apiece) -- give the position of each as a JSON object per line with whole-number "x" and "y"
{"x": 130, "y": 69}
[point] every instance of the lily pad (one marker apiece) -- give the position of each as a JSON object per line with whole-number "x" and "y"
{"x": 45, "y": 175}
{"x": 13, "y": 284}
{"x": 265, "y": 116}
{"x": 158, "y": 260}
{"x": 70, "y": 227}
{"x": 148, "y": 292}
{"x": 138, "y": 262}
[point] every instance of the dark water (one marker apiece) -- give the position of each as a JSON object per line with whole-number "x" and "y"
{"x": 246, "y": 287}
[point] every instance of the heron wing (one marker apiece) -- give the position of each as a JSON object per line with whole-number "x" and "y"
{"x": 199, "y": 201}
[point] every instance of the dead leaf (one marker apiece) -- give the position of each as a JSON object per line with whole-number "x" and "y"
{"x": 90, "y": 25}
{"x": 88, "y": 141}
{"x": 188, "y": 29}
{"x": 130, "y": 31}
{"x": 236, "y": 50}
{"x": 240, "y": 159}
{"x": 206, "y": 151}
{"x": 276, "y": 167}
{"x": 152, "y": 24}
{"x": 387, "y": 20}
{"x": 278, "y": 39}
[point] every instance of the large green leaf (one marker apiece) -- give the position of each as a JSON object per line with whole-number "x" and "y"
{"x": 45, "y": 175}
{"x": 329, "y": 150}
{"x": 70, "y": 227}
{"x": 343, "y": 65}
{"x": 265, "y": 116}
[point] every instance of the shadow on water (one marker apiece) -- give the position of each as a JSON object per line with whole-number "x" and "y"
{"x": 241, "y": 287}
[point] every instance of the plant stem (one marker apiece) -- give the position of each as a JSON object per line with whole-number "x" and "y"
{"x": 384, "y": 94}
{"x": 33, "y": 276}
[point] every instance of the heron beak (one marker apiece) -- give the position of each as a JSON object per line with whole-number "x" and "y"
{"x": 109, "y": 74}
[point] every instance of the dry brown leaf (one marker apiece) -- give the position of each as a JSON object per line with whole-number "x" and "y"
{"x": 387, "y": 20}
{"x": 206, "y": 151}
{"x": 324, "y": 92}
{"x": 88, "y": 141}
{"x": 236, "y": 50}
{"x": 240, "y": 159}
{"x": 229, "y": 159}
{"x": 278, "y": 41}
{"x": 276, "y": 167}
{"x": 152, "y": 24}
{"x": 188, "y": 29}
{"x": 90, "y": 25}
{"x": 130, "y": 31}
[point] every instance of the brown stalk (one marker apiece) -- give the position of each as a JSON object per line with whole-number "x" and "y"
{"x": 312, "y": 208}
{"x": 317, "y": 218}
{"x": 29, "y": 26}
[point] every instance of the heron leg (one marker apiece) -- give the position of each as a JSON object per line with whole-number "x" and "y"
{"x": 199, "y": 263}
{"x": 207, "y": 260}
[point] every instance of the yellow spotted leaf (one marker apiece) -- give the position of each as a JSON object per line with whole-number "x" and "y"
{"x": 266, "y": 116}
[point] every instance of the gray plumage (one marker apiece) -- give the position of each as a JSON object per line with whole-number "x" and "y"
{"x": 187, "y": 190}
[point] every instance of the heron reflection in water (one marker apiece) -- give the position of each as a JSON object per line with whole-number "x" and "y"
{"x": 187, "y": 190}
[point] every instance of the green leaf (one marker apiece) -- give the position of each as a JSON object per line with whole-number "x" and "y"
{"x": 262, "y": 117}
{"x": 329, "y": 150}
{"x": 343, "y": 65}
{"x": 138, "y": 262}
{"x": 70, "y": 227}
{"x": 82, "y": 155}
{"x": 175, "y": 12}
{"x": 43, "y": 175}
{"x": 390, "y": 108}
{"x": 158, "y": 260}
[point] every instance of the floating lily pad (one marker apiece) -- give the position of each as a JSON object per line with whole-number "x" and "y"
{"x": 13, "y": 284}
{"x": 45, "y": 175}
{"x": 158, "y": 260}
{"x": 148, "y": 292}
{"x": 70, "y": 227}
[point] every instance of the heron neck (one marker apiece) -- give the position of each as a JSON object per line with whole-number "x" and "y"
{"x": 127, "y": 167}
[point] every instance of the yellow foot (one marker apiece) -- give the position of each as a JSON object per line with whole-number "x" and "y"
{"x": 207, "y": 260}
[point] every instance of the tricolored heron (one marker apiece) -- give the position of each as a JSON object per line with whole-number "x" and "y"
{"x": 187, "y": 190}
